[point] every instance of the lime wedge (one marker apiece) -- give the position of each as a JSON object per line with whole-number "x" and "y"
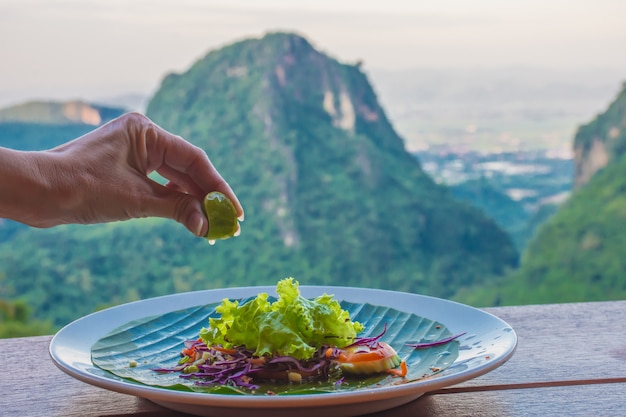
{"x": 222, "y": 216}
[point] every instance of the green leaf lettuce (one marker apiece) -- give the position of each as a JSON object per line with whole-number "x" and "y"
{"x": 292, "y": 325}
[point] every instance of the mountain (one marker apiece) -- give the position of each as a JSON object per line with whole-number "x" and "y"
{"x": 578, "y": 254}
{"x": 319, "y": 165}
{"x": 331, "y": 196}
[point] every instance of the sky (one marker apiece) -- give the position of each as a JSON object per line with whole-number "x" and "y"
{"x": 64, "y": 49}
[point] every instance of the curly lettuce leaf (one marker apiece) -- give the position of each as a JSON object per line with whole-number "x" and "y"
{"x": 292, "y": 325}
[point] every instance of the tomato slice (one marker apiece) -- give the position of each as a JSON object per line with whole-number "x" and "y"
{"x": 363, "y": 359}
{"x": 366, "y": 353}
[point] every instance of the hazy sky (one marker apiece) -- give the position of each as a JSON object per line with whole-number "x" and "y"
{"x": 97, "y": 48}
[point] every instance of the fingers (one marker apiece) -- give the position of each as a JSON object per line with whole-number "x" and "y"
{"x": 186, "y": 166}
{"x": 168, "y": 203}
{"x": 190, "y": 173}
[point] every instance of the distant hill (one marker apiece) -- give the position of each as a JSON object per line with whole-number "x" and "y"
{"x": 580, "y": 253}
{"x": 331, "y": 196}
{"x": 59, "y": 113}
{"x": 131, "y": 102}
{"x": 44, "y": 124}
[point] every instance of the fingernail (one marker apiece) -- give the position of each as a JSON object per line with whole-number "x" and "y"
{"x": 197, "y": 222}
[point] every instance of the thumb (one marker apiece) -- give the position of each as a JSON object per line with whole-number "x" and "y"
{"x": 186, "y": 210}
{"x": 193, "y": 218}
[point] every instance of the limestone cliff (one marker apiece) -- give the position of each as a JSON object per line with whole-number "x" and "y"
{"x": 601, "y": 141}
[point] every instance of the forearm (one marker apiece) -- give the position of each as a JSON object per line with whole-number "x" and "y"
{"x": 26, "y": 187}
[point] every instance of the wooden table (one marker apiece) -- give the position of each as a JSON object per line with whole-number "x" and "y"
{"x": 570, "y": 361}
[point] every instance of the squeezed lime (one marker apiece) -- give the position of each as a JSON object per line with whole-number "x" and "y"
{"x": 222, "y": 216}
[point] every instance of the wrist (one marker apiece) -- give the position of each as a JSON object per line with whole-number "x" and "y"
{"x": 18, "y": 185}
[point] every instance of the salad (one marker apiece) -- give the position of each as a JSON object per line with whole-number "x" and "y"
{"x": 290, "y": 339}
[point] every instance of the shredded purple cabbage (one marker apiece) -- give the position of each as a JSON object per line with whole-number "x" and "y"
{"x": 435, "y": 343}
{"x": 237, "y": 369}
{"x": 368, "y": 341}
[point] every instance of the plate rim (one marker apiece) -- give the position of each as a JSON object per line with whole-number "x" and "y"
{"x": 162, "y": 395}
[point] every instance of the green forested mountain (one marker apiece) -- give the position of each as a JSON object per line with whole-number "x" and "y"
{"x": 580, "y": 253}
{"x": 331, "y": 196}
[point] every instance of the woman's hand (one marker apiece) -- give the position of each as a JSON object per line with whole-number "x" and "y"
{"x": 103, "y": 176}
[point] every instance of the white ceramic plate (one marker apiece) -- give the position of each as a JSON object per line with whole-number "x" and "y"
{"x": 488, "y": 342}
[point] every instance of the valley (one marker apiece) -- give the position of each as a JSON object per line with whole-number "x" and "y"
{"x": 519, "y": 190}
